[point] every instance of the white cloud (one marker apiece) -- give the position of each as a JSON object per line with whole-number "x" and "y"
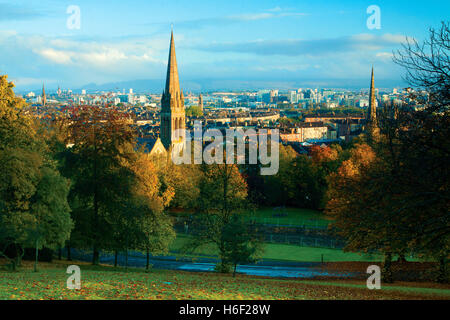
{"x": 56, "y": 56}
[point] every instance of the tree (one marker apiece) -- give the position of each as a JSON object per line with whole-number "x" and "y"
{"x": 33, "y": 196}
{"x": 51, "y": 211}
{"x": 427, "y": 65}
{"x": 98, "y": 164}
{"x": 361, "y": 201}
{"x": 423, "y": 147}
{"x": 242, "y": 243}
{"x": 154, "y": 229}
{"x": 278, "y": 189}
{"x": 223, "y": 193}
{"x": 194, "y": 111}
{"x": 183, "y": 181}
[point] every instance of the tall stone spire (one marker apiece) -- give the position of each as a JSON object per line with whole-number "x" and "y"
{"x": 172, "y": 103}
{"x": 44, "y": 98}
{"x": 372, "y": 111}
{"x": 372, "y": 129}
{"x": 172, "y": 79}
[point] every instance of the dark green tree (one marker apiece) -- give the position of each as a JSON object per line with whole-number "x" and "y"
{"x": 242, "y": 242}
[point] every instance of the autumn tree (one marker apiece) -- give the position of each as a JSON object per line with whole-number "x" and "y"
{"x": 183, "y": 180}
{"x": 101, "y": 148}
{"x": 361, "y": 202}
{"x": 154, "y": 230}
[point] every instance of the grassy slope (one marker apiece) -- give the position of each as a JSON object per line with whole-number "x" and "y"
{"x": 109, "y": 283}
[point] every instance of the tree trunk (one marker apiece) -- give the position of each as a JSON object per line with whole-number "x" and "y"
{"x": 13, "y": 264}
{"x": 234, "y": 270}
{"x": 401, "y": 258}
{"x": 59, "y": 253}
{"x": 95, "y": 255}
{"x": 69, "y": 256}
{"x": 147, "y": 263}
{"x": 36, "y": 255}
{"x": 387, "y": 270}
{"x": 126, "y": 255}
{"x": 115, "y": 258}
{"x": 443, "y": 270}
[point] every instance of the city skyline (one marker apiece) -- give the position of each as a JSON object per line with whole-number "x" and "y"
{"x": 285, "y": 44}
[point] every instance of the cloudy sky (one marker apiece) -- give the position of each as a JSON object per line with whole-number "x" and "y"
{"x": 232, "y": 43}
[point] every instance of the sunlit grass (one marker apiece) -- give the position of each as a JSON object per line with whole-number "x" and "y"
{"x": 102, "y": 282}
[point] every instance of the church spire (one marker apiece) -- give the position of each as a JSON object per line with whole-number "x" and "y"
{"x": 44, "y": 98}
{"x": 172, "y": 80}
{"x": 372, "y": 111}
{"x": 372, "y": 129}
{"x": 173, "y": 119}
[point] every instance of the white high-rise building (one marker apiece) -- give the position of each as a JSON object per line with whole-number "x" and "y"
{"x": 293, "y": 97}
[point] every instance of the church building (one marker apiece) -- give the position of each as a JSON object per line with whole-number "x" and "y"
{"x": 173, "y": 118}
{"x": 173, "y": 122}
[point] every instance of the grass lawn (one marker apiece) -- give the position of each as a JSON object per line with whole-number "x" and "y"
{"x": 104, "y": 282}
{"x": 285, "y": 252}
{"x": 295, "y": 216}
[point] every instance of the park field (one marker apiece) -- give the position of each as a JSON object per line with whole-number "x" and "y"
{"x": 280, "y": 252}
{"x": 105, "y": 282}
{"x": 280, "y": 216}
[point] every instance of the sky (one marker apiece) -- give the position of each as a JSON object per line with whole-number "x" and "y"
{"x": 219, "y": 44}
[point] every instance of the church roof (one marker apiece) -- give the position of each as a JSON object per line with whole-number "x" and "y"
{"x": 153, "y": 146}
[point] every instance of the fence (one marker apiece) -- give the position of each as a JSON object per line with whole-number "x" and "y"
{"x": 304, "y": 237}
{"x": 304, "y": 241}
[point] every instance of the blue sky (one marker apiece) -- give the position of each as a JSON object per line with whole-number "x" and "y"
{"x": 220, "y": 44}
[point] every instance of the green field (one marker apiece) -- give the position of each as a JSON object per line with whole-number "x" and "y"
{"x": 281, "y": 252}
{"x": 294, "y": 216}
{"x": 102, "y": 282}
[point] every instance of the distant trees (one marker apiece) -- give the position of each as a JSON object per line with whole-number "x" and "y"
{"x": 194, "y": 111}
{"x": 301, "y": 179}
